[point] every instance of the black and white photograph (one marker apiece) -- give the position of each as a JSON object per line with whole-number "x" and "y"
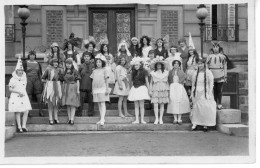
{"x": 128, "y": 82}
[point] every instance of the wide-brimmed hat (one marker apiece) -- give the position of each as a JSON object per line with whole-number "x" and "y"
{"x": 102, "y": 57}
{"x": 54, "y": 45}
{"x": 134, "y": 38}
{"x": 158, "y": 60}
{"x": 69, "y": 61}
{"x": 137, "y": 60}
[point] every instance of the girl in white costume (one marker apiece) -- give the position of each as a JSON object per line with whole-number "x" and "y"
{"x": 122, "y": 87}
{"x": 19, "y": 101}
{"x": 179, "y": 101}
{"x": 159, "y": 87}
{"x": 139, "y": 91}
{"x": 204, "y": 106}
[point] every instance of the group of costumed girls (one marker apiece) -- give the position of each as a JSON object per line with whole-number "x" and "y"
{"x": 176, "y": 76}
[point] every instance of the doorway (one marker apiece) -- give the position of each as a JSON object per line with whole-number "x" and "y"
{"x": 116, "y": 24}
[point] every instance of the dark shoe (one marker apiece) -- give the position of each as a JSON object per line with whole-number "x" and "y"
{"x": 71, "y": 122}
{"x": 51, "y": 122}
{"x": 205, "y": 129}
{"x": 25, "y": 129}
{"x": 29, "y": 115}
{"x": 40, "y": 113}
{"x": 56, "y": 121}
{"x": 90, "y": 114}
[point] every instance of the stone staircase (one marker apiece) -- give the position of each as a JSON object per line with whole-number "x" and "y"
{"x": 228, "y": 122}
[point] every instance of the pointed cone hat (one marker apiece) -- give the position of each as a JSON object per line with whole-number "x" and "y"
{"x": 19, "y": 64}
{"x": 191, "y": 44}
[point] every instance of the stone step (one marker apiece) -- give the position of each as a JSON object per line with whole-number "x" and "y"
{"x": 65, "y": 133}
{"x": 108, "y": 127}
{"x": 130, "y": 105}
{"x": 109, "y": 120}
{"x": 63, "y": 112}
{"x": 234, "y": 129}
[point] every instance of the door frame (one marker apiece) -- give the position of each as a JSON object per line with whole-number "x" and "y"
{"x": 111, "y": 11}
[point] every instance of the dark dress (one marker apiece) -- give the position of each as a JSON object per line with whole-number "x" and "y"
{"x": 184, "y": 56}
{"x": 163, "y": 53}
{"x": 69, "y": 91}
{"x": 33, "y": 73}
{"x": 85, "y": 70}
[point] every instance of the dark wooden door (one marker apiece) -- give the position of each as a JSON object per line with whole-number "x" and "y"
{"x": 116, "y": 24}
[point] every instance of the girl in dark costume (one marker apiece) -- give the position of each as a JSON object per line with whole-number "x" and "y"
{"x": 33, "y": 72}
{"x": 217, "y": 63}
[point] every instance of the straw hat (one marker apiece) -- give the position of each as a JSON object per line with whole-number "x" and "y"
{"x": 158, "y": 60}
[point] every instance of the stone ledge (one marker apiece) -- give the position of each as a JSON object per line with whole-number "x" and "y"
{"x": 233, "y": 129}
{"x": 9, "y": 132}
{"x": 228, "y": 116}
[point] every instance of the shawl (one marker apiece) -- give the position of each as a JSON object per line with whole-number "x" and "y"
{"x": 180, "y": 73}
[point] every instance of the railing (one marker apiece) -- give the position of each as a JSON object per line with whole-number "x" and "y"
{"x": 221, "y": 32}
{"x": 9, "y": 32}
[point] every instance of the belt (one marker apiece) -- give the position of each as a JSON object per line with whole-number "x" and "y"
{"x": 216, "y": 68}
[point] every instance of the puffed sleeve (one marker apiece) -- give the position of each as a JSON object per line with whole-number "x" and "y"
{"x": 11, "y": 83}
{"x": 77, "y": 75}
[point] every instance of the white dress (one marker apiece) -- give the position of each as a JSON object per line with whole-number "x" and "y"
{"x": 146, "y": 50}
{"x": 171, "y": 58}
{"x": 191, "y": 69}
{"x": 17, "y": 103}
{"x": 204, "y": 108}
{"x": 122, "y": 80}
{"x": 179, "y": 101}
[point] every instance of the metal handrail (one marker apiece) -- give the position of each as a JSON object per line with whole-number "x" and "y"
{"x": 222, "y": 32}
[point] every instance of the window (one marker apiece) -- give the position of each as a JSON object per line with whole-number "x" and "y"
{"x": 221, "y": 24}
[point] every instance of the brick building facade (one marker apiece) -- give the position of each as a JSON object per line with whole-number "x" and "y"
{"x": 226, "y": 22}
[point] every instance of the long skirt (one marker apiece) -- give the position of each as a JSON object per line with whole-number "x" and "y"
{"x": 70, "y": 96}
{"x": 204, "y": 110}
{"x": 179, "y": 101}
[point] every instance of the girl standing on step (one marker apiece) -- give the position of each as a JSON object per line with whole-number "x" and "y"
{"x": 145, "y": 46}
{"x": 160, "y": 50}
{"x": 71, "y": 94}
{"x": 72, "y": 53}
{"x": 217, "y": 64}
{"x": 55, "y": 53}
{"x": 159, "y": 87}
{"x": 122, "y": 87}
{"x": 100, "y": 87}
{"x": 33, "y": 70}
{"x": 204, "y": 106}
{"x": 139, "y": 91}
{"x": 179, "y": 101}
{"x": 173, "y": 55}
{"x": 110, "y": 65}
{"x": 19, "y": 101}
{"x": 52, "y": 91}
{"x": 191, "y": 68}
{"x": 134, "y": 47}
